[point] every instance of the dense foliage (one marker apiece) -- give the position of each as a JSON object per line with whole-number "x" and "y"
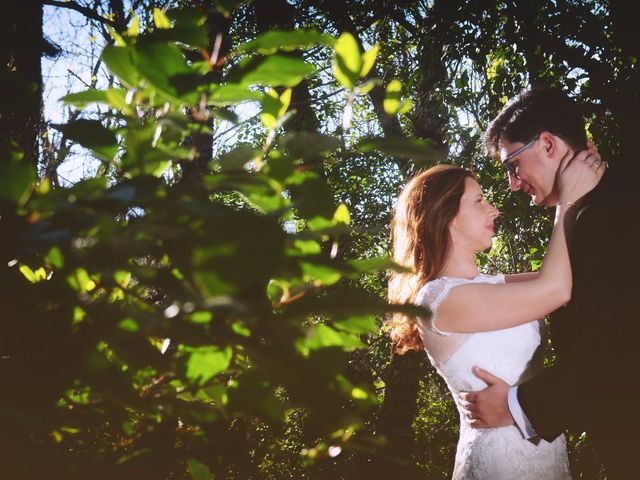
{"x": 208, "y": 301}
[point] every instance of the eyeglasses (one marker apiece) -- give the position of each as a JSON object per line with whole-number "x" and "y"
{"x": 511, "y": 168}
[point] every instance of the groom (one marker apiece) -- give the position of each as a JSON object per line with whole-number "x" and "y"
{"x": 594, "y": 385}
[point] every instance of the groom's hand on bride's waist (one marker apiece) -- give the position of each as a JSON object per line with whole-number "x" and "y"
{"x": 489, "y": 407}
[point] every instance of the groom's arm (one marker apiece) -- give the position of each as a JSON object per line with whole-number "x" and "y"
{"x": 596, "y": 334}
{"x": 522, "y": 422}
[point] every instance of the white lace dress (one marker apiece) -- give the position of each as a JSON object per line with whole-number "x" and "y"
{"x": 512, "y": 354}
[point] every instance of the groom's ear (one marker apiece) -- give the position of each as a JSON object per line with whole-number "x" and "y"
{"x": 547, "y": 143}
{"x": 550, "y": 144}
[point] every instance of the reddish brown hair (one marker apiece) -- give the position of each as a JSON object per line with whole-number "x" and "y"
{"x": 420, "y": 240}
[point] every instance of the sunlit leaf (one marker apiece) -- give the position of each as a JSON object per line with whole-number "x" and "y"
{"x": 274, "y": 40}
{"x": 392, "y": 101}
{"x": 119, "y": 61}
{"x": 231, "y": 94}
{"x": 274, "y": 70}
{"x": 368, "y": 60}
{"x": 347, "y": 61}
{"x": 204, "y": 363}
{"x": 166, "y": 68}
{"x": 342, "y": 214}
{"x": 134, "y": 27}
{"x": 160, "y": 20}
{"x": 274, "y": 107}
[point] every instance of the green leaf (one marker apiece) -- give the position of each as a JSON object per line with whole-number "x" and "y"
{"x": 252, "y": 393}
{"x": 274, "y": 107}
{"x": 368, "y": 60}
{"x": 17, "y": 181}
{"x": 377, "y": 264}
{"x": 160, "y": 20}
{"x": 129, "y": 325}
{"x": 342, "y": 214}
{"x": 134, "y": 28}
{"x": 347, "y": 61}
{"x": 237, "y": 158}
{"x": 55, "y": 258}
{"x": 274, "y": 40}
{"x": 220, "y": 265}
{"x": 34, "y": 276}
{"x": 204, "y": 363}
{"x": 323, "y": 274}
{"x": 119, "y": 40}
{"x": 358, "y": 324}
{"x": 193, "y": 35}
{"x": 392, "y": 102}
{"x": 366, "y": 87}
{"x": 274, "y": 70}
{"x": 113, "y": 96}
{"x": 166, "y": 68}
{"x": 260, "y": 191}
{"x": 311, "y": 195}
{"x": 120, "y": 63}
{"x": 199, "y": 471}
{"x": 308, "y": 144}
{"x": 232, "y": 94}
{"x": 187, "y": 17}
{"x": 228, "y": 6}
{"x": 323, "y": 336}
{"x": 306, "y": 247}
{"x": 420, "y": 150}
{"x": 201, "y": 317}
{"x": 92, "y": 135}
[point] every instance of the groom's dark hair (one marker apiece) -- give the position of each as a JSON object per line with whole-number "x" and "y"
{"x": 535, "y": 111}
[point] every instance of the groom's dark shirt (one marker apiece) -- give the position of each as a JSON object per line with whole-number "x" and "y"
{"x": 595, "y": 384}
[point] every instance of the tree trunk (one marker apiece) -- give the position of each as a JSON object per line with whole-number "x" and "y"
{"x": 217, "y": 26}
{"x": 21, "y": 76}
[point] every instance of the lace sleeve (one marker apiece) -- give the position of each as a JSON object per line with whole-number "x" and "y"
{"x": 432, "y": 294}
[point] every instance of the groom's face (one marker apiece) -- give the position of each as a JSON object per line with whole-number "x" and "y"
{"x": 535, "y": 170}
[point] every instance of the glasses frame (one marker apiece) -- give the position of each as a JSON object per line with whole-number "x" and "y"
{"x": 511, "y": 168}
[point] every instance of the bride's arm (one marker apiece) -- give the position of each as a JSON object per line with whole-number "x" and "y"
{"x": 520, "y": 277}
{"x": 484, "y": 307}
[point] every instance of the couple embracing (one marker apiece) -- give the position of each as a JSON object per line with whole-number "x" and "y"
{"x": 484, "y": 334}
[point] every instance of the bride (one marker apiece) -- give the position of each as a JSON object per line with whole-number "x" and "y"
{"x": 440, "y": 222}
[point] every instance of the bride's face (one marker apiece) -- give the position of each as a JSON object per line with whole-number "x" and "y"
{"x": 473, "y": 227}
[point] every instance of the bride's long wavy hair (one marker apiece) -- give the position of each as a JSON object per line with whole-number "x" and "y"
{"x": 421, "y": 242}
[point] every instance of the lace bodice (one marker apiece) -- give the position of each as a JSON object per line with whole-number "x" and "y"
{"x": 513, "y": 354}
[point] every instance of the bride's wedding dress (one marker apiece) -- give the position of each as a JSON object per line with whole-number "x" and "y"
{"x": 511, "y": 354}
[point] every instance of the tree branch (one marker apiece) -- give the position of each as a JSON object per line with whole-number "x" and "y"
{"x": 87, "y": 12}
